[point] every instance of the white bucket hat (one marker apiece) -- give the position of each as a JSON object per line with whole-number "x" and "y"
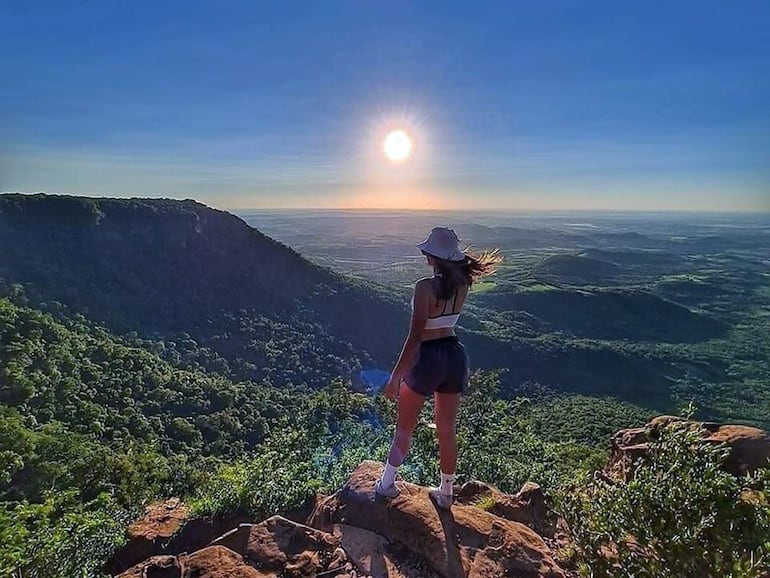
{"x": 442, "y": 243}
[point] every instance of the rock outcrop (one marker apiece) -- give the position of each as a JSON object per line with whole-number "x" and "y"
{"x": 160, "y": 522}
{"x": 168, "y": 527}
{"x": 486, "y": 534}
{"x": 466, "y": 541}
{"x": 528, "y": 506}
{"x": 286, "y": 548}
{"x": 274, "y": 548}
{"x": 350, "y": 534}
{"x": 749, "y": 446}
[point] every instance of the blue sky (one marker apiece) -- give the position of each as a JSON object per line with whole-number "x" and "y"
{"x": 550, "y": 105}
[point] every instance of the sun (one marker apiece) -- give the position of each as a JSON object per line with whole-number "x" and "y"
{"x": 397, "y": 145}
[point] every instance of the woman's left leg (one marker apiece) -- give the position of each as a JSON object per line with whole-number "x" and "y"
{"x": 446, "y": 406}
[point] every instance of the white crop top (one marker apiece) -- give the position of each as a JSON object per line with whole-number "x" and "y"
{"x": 444, "y": 320}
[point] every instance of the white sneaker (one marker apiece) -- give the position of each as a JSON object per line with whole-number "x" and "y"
{"x": 442, "y": 500}
{"x": 390, "y": 492}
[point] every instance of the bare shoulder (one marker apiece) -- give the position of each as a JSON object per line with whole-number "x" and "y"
{"x": 423, "y": 285}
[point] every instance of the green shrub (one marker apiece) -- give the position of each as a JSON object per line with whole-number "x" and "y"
{"x": 679, "y": 514}
{"x": 62, "y": 537}
{"x": 278, "y": 478}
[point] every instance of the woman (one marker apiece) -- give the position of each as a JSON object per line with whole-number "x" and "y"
{"x": 433, "y": 362}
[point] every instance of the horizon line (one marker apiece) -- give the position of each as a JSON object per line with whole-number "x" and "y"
{"x": 505, "y": 209}
{"x": 409, "y": 209}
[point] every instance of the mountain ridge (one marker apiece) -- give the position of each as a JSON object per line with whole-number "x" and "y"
{"x": 164, "y": 268}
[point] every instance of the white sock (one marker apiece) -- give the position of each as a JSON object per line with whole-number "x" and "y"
{"x": 388, "y": 475}
{"x": 447, "y": 481}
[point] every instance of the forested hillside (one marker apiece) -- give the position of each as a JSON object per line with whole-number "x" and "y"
{"x": 181, "y": 271}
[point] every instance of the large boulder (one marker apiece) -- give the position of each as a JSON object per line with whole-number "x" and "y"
{"x": 161, "y": 520}
{"x": 149, "y": 535}
{"x": 211, "y": 562}
{"x": 280, "y": 545}
{"x": 467, "y": 541}
{"x": 219, "y": 562}
{"x": 749, "y": 446}
{"x": 167, "y": 528}
{"x": 528, "y": 505}
{"x": 373, "y": 555}
{"x": 155, "y": 567}
{"x": 275, "y": 548}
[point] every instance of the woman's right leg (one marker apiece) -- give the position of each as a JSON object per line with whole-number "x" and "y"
{"x": 446, "y": 405}
{"x": 409, "y": 406}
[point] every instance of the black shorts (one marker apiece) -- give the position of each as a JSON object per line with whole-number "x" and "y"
{"x": 441, "y": 366}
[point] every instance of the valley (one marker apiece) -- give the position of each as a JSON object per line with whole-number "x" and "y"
{"x": 658, "y": 309}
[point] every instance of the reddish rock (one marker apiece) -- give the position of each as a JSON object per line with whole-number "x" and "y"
{"x": 528, "y": 506}
{"x": 749, "y": 446}
{"x": 629, "y": 437}
{"x": 662, "y": 421}
{"x": 210, "y": 562}
{"x": 149, "y": 535}
{"x": 464, "y": 542}
{"x": 374, "y": 556}
{"x": 160, "y": 520}
{"x": 155, "y": 567}
{"x": 166, "y": 529}
{"x": 219, "y": 562}
{"x": 278, "y": 544}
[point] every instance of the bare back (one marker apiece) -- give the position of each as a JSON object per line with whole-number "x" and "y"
{"x": 440, "y": 310}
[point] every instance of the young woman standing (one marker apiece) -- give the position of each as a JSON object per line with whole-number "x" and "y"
{"x": 433, "y": 362}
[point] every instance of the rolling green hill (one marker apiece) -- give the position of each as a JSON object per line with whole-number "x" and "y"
{"x": 609, "y": 314}
{"x": 576, "y": 269}
{"x": 202, "y": 278}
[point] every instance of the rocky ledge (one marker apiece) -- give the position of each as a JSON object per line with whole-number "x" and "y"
{"x": 352, "y": 535}
{"x": 486, "y": 534}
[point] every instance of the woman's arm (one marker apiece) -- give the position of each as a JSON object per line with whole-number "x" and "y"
{"x": 412, "y": 342}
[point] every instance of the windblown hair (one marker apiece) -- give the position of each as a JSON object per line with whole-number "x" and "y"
{"x": 455, "y": 274}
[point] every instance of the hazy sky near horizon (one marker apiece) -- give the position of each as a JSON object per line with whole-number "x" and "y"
{"x": 241, "y": 104}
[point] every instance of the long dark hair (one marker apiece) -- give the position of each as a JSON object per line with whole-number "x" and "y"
{"x": 452, "y": 275}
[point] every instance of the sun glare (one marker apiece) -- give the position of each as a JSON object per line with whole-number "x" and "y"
{"x": 397, "y": 145}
